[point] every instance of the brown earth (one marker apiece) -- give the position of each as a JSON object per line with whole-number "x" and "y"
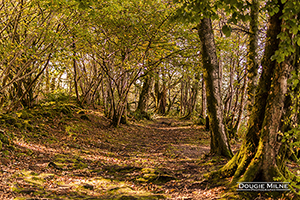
{"x": 75, "y": 157}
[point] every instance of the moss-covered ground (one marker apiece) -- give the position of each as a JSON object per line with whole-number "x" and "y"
{"x": 60, "y": 151}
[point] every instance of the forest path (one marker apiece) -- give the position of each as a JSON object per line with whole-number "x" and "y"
{"x": 75, "y": 158}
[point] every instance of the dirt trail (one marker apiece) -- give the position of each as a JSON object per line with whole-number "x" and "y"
{"x": 88, "y": 159}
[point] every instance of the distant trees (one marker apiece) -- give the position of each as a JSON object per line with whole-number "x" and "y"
{"x": 98, "y": 53}
{"x": 116, "y": 55}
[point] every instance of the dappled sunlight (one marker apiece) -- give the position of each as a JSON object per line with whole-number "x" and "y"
{"x": 92, "y": 160}
{"x": 74, "y": 186}
{"x": 37, "y": 147}
{"x": 171, "y": 128}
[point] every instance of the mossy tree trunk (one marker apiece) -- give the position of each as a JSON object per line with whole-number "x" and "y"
{"x": 252, "y": 60}
{"x": 144, "y": 96}
{"x": 258, "y": 158}
{"x": 211, "y": 73}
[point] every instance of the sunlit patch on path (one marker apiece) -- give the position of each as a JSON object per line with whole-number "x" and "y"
{"x": 160, "y": 159}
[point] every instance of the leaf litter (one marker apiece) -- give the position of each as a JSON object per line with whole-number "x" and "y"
{"x": 72, "y": 158}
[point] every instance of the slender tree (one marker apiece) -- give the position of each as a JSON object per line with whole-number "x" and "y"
{"x": 219, "y": 140}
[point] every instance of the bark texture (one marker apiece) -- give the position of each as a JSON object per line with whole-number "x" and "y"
{"x": 203, "y": 107}
{"x": 252, "y": 55}
{"x": 211, "y": 73}
{"x": 258, "y": 157}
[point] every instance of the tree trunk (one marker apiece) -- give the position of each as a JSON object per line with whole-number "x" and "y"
{"x": 241, "y": 108}
{"x": 144, "y": 96}
{"x": 252, "y": 55}
{"x": 219, "y": 141}
{"x": 181, "y": 97}
{"x": 156, "y": 91}
{"x": 76, "y": 76}
{"x": 162, "y": 100}
{"x": 203, "y": 107}
{"x": 258, "y": 157}
{"x": 193, "y": 97}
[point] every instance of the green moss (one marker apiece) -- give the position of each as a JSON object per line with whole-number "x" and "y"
{"x": 60, "y": 165}
{"x": 20, "y": 155}
{"x": 11, "y": 147}
{"x": 148, "y": 171}
{"x": 143, "y": 197}
{"x": 26, "y": 124}
{"x": 152, "y": 197}
{"x": 140, "y": 179}
{"x": 16, "y": 190}
{"x": 29, "y": 127}
{"x": 46, "y": 114}
{"x": 18, "y": 125}
{"x": 4, "y": 138}
{"x": 26, "y": 115}
{"x": 65, "y": 159}
{"x": 81, "y": 112}
{"x": 201, "y": 121}
{"x": 29, "y": 152}
{"x": 44, "y": 134}
{"x": 127, "y": 198}
{"x": 138, "y": 115}
{"x": 80, "y": 165}
{"x": 150, "y": 177}
{"x": 75, "y": 146}
{"x": 46, "y": 176}
{"x": 10, "y": 119}
{"x": 85, "y": 117}
{"x": 230, "y": 196}
{"x": 65, "y": 110}
{"x": 34, "y": 180}
{"x": 5, "y": 152}
{"x": 0, "y": 145}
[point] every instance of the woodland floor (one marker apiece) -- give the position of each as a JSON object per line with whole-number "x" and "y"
{"x": 78, "y": 155}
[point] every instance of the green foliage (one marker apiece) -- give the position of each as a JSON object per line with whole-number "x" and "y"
{"x": 193, "y": 11}
{"x": 294, "y": 80}
{"x": 56, "y": 97}
{"x": 142, "y": 115}
{"x": 289, "y": 37}
{"x": 226, "y": 30}
{"x": 292, "y": 138}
